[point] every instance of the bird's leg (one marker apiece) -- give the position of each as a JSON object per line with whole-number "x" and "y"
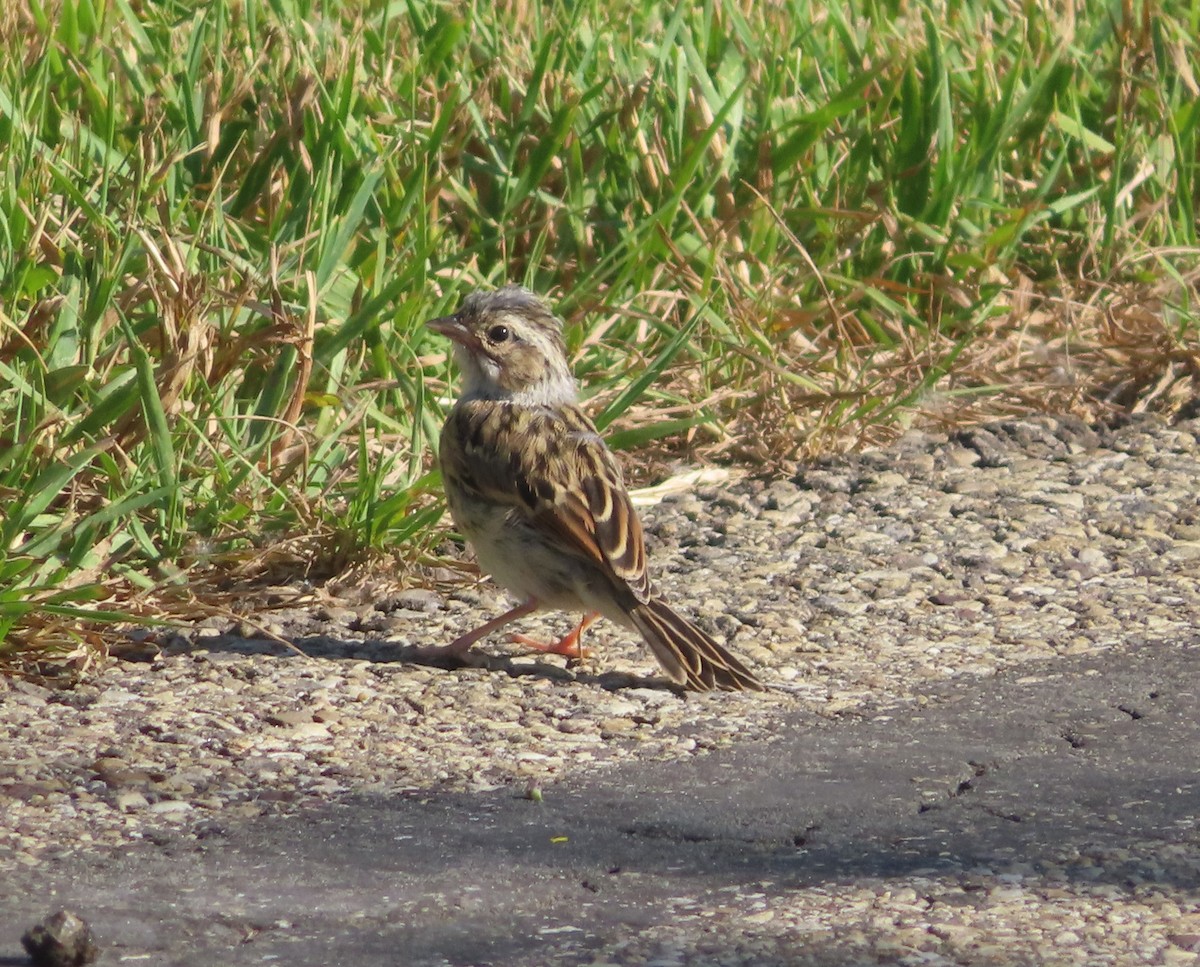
{"x": 462, "y": 644}
{"x": 569, "y": 644}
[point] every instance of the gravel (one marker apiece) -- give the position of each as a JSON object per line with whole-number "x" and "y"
{"x": 854, "y": 587}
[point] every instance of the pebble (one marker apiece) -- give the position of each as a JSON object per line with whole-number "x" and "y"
{"x": 168, "y": 807}
{"x": 130, "y": 800}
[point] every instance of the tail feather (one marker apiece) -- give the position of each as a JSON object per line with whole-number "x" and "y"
{"x": 688, "y": 655}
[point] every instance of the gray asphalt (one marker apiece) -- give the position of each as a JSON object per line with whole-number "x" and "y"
{"x": 1082, "y": 757}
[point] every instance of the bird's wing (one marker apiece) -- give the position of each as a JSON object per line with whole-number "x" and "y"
{"x": 552, "y": 467}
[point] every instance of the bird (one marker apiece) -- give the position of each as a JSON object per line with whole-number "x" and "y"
{"x": 533, "y": 487}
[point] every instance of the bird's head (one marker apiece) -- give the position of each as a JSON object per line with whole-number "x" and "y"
{"x": 509, "y": 345}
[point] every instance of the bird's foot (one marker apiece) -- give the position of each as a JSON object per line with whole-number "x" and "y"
{"x": 566, "y": 645}
{"x": 570, "y": 644}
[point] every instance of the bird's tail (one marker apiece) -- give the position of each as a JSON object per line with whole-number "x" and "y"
{"x": 689, "y": 656}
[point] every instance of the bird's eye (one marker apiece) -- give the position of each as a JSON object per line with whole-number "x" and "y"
{"x": 498, "y": 333}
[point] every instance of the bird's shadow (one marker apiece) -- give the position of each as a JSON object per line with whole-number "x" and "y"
{"x": 518, "y": 666}
{"x": 386, "y": 652}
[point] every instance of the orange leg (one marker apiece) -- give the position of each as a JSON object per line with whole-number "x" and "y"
{"x": 569, "y": 644}
{"x": 462, "y": 644}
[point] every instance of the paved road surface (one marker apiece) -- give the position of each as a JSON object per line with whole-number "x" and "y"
{"x": 1088, "y": 768}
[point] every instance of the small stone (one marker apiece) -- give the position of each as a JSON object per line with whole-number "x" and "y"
{"x": 290, "y": 717}
{"x": 414, "y": 599}
{"x": 310, "y": 730}
{"x": 170, "y": 807}
{"x": 63, "y": 939}
{"x": 115, "y": 696}
{"x": 116, "y": 773}
{"x": 1071, "y": 499}
{"x": 131, "y": 800}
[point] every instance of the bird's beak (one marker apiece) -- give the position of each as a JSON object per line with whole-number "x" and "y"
{"x": 455, "y": 331}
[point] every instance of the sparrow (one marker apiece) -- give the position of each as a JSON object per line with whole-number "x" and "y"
{"x": 533, "y": 487}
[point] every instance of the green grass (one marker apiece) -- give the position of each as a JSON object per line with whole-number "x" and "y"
{"x": 222, "y": 225}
